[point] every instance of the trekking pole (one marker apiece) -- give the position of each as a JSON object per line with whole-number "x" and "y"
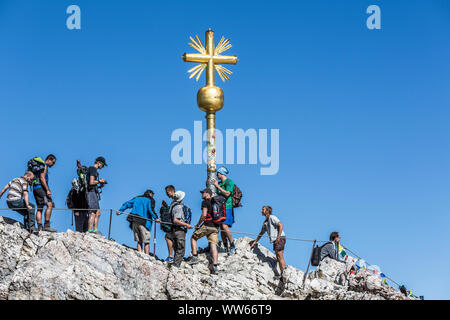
{"x": 29, "y": 221}
{"x": 154, "y": 241}
{"x": 110, "y": 220}
{"x": 307, "y": 269}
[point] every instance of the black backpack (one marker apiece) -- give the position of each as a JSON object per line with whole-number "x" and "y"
{"x": 36, "y": 165}
{"x": 82, "y": 176}
{"x": 219, "y": 214}
{"x": 315, "y": 256}
{"x": 165, "y": 215}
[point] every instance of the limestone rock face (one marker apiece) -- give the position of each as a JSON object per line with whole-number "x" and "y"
{"x": 73, "y": 265}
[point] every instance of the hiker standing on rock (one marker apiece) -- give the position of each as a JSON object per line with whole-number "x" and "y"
{"x": 274, "y": 229}
{"x": 208, "y": 229}
{"x": 225, "y": 188}
{"x": 43, "y": 195}
{"x": 93, "y": 194}
{"x": 165, "y": 216}
{"x": 141, "y": 207}
{"x": 18, "y": 199}
{"x": 180, "y": 225}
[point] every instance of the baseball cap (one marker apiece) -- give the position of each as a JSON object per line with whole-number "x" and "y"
{"x": 102, "y": 160}
{"x": 223, "y": 170}
{"x": 207, "y": 190}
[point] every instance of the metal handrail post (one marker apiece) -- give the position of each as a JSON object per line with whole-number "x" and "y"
{"x": 110, "y": 221}
{"x": 309, "y": 262}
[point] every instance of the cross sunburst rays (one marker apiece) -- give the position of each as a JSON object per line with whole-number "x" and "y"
{"x": 223, "y": 45}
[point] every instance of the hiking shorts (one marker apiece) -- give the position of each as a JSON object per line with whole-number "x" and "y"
{"x": 141, "y": 233}
{"x": 92, "y": 200}
{"x": 211, "y": 233}
{"x": 169, "y": 235}
{"x": 42, "y": 198}
{"x": 230, "y": 218}
{"x": 279, "y": 245}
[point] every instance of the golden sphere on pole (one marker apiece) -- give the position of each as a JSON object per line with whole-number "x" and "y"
{"x": 210, "y": 99}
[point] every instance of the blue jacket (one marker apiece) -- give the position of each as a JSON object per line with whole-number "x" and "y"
{"x": 141, "y": 206}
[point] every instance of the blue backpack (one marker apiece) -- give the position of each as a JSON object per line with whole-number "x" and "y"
{"x": 187, "y": 213}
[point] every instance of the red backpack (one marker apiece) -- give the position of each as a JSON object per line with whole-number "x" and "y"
{"x": 219, "y": 213}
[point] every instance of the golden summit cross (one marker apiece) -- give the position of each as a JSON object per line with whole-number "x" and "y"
{"x": 210, "y": 58}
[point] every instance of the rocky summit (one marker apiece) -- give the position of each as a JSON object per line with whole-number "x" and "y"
{"x": 72, "y": 265}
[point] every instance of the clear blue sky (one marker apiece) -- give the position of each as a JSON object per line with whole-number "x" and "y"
{"x": 363, "y": 115}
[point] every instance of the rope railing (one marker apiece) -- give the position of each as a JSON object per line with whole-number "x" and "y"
{"x": 171, "y": 223}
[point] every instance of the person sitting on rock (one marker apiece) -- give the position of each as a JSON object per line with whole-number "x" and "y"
{"x": 274, "y": 229}
{"x": 17, "y": 200}
{"x": 330, "y": 249}
{"x": 141, "y": 207}
{"x": 208, "y": 229}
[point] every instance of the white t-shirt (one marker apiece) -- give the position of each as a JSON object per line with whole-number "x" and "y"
{"x": 271, "y": 226}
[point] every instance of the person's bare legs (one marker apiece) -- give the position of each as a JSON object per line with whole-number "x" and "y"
{"x": 214, "y": 252}
{"x": 91, "y": 220}
{"x": 169, "y": 246}
{"x": 97, "y": 218}
{"x": 147, "y": 248}
{"x": 212, "y": 246}
{"x": 48, "y": 212}
{"x": 226, "y": 234}
{"x": 194, "y": 246}
{"x": 39, "y": 216}
{"x": 281, "y": 261}
{"x": 139, "y": 246}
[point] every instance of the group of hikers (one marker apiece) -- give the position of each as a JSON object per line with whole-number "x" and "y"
{"x": 17, "y": 199}
{"x": 217, "y": 213}
{"x": 217, "y": 216}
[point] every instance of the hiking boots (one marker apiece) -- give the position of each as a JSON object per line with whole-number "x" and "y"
{"x": 232, "y": 250}
{"x": 169, "y": 260}
{"x": 49, "y": 229}
{"x": 34, "y": 230}
{"x": 215, "y": 270}
{"x": 193, "y": 260}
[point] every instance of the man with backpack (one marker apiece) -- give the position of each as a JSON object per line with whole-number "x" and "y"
{"x": 77, "y": 199}
{"x": 274, "y": 228}
{"x": 225, "y": 188}
{"x": 209, "y": 228}
{"x": 18, "y": 199}
{"x": 93, "y": 193}
{"x": 181, "y": 222}
{"x": 141, "y": 207}
{"x": 164, "y": 213}
{"x": 330, "y": 249}
{"x": 43, "y": 195}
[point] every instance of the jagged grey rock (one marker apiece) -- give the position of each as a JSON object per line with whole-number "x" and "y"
{"x": 74, "y": 265}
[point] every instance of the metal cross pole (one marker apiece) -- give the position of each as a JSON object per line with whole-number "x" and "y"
{"x": 307, "y": 269}
{"x": 110, "y": 220}
{"x": 210, "y": 98}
